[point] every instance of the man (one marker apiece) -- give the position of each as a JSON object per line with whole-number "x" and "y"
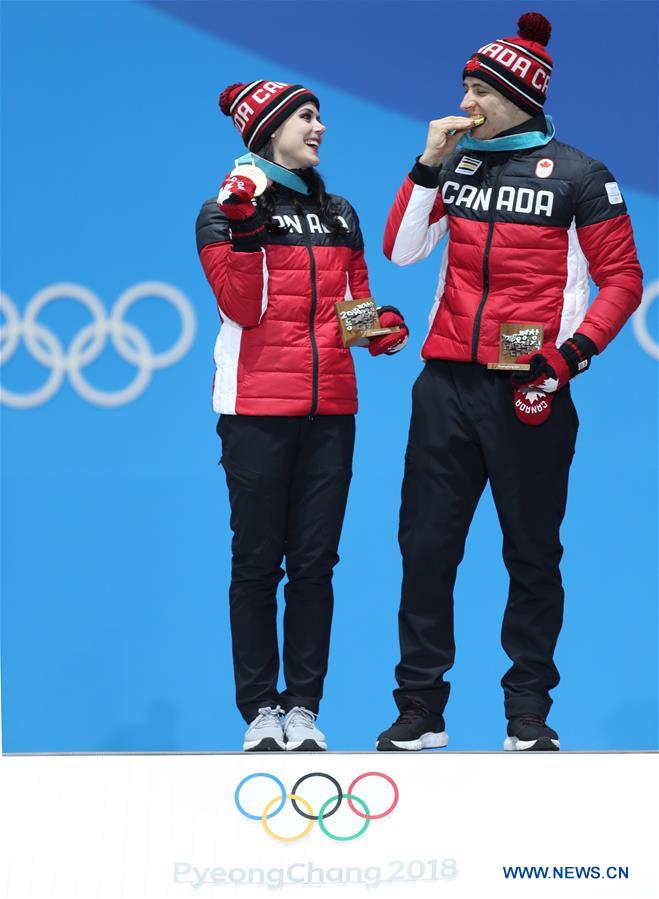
{"x": 528, "y": 218}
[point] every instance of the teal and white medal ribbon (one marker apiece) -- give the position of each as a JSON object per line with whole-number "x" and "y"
{"x": 274, "y": 172}
{"x": 512, "y": 142}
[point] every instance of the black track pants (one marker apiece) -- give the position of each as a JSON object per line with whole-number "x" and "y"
{"x": 288, "y": 482}
{"x": 463, "y": 432}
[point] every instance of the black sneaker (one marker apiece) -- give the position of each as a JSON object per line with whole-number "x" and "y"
{"x": 415, "y": 728}
{"x": 530, "y": 732}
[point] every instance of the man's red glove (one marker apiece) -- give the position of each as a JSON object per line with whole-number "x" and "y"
{"x": 551, "y": 368}
{"x": 235, "y": 201}
{"x": 389, "y": 344}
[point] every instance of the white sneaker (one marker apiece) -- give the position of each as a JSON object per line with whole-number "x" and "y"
{"x": 265, "y": 733}
{"x": 301, "y": 732}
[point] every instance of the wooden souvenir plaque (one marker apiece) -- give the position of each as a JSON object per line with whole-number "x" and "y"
{"x": 359, "y": 321}
{"x": 517, "y": 339}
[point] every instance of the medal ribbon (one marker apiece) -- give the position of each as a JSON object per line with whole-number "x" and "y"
{"x": 512, "y": 142}
{"x": 275, "y": 172}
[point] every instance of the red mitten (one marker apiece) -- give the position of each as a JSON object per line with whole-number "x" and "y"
{"x": 534, "y": 389}
{"x": 390, "y": 317}
{"x": 551, "y": 369}
{"x": 235, "y": 197}
{"x": 532, "y": 407}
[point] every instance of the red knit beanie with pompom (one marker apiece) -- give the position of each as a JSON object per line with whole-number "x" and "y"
{"x": 518, "y": 67}
{"x": 259, "y": 108}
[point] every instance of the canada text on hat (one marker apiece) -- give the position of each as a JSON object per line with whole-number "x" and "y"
{"x": 518, "y": 67}
{"x": 259, "y": 108}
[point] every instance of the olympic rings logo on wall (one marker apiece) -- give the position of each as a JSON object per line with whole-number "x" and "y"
{"x": 88, "y": 344}
{"x": 277, "y": 803}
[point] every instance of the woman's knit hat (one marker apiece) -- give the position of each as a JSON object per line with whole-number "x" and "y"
{"x": 259, "y": 108}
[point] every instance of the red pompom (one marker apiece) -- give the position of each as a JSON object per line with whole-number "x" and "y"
{"x": 534, "y": 27}
{"x": 226, "y": 97}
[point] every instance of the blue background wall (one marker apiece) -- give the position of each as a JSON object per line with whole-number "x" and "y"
{"x": 115, "y": 545}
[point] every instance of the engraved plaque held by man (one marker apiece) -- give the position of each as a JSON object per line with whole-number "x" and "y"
{"x": 516, "y": 339}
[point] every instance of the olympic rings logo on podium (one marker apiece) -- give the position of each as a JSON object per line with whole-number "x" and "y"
{"x": 128, "y": 341}
{"x": 277, "y": 803}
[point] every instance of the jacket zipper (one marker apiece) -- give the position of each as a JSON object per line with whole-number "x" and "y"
{"x": 486, "y": 270}
{"x": 312, "y": 336}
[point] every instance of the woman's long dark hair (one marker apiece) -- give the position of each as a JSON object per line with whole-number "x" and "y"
{"x": 327, "y": 210}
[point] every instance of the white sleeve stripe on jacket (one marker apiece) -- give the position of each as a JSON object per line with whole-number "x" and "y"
{"x": 576, "y": 292}
{"x": 227, "y": 353}
{"x": 264, "y": 295}
{"x": 416, "y": 239}
{"x": 439, "y": 293}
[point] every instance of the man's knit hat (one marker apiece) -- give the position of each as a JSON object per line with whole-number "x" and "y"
{"x": 259, "y": 108}
{"x": 518, "y": 67}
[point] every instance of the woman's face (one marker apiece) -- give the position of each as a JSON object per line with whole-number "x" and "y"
{"x": 296, "y": 143}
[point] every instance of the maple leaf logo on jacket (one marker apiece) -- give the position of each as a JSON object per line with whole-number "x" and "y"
{"x": 544, "y": 168}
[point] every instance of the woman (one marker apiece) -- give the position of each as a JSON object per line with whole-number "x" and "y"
{"x": 285, "y": 390}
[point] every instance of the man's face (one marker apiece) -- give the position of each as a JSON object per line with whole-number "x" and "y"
{"x": 500, "y": 114}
